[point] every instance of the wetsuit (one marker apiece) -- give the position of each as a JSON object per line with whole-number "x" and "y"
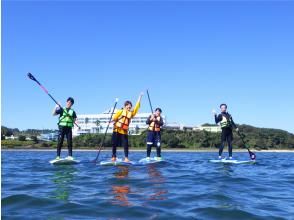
{"x": 154, "y": 136}
{"x": 227, "y": 125}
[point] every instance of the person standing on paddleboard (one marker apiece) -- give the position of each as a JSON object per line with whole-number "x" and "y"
{"x": 227, "y": 124}
{"x": 122, "y": 120}
{"x": 155, "y": 122}
{"x": 67, "y": 118}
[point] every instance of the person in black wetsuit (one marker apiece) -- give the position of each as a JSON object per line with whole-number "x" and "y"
{"x": 227, "y": 124}
{"x": 67, "y": 118}
{"x": 154, "y": 122}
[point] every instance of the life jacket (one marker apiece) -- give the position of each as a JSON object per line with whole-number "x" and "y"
{"x": 226, "y": 121}
{"x": 66, "y": 119}
{"x": 124, "y": 120}
{"x": 154, "y": 126}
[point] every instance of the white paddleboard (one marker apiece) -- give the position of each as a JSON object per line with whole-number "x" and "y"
{"x": 151, "y": 160}
{"x": 233, "y": 161}
{"x": 63, "y": 161}
{"x": 118, "y": 162}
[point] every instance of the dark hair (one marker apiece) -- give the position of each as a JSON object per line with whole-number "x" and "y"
{"x": 128, "y": 103}
{"x": 71, "y": 100}
{"x": 158, "y": 109}
{"x": 223, "y": 105}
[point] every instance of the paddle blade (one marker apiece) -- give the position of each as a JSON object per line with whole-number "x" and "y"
{"x": 252, "y": 155}
{"x": 31, "y": 77}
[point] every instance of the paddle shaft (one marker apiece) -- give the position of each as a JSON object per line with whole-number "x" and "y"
{"x": 46, "y": 91}
{"x": 149, "y": 101}
{"x": 103, "y": 140}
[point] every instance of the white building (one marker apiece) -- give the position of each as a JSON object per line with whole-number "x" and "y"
{"x": 209, "y": 128}
{"x": 97, "y": 123}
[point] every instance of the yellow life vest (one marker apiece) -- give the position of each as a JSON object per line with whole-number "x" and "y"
{"x": 154, "y": 126}
{"x": 124, "y": 121}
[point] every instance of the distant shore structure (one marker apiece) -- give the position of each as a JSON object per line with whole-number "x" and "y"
{"x": 97, "y": 123}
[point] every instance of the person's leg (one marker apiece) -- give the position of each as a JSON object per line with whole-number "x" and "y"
{"x": 60, "y": 140}
{"x": 69, "y": 140}
{"x": 125, "y": 144}
{"x": 223, "y": 141}
{"x": 114, "y": 143}
{"x": 158, "y": 144}
{"x": 149, "y": 142}
{"x": 230, "y": 140}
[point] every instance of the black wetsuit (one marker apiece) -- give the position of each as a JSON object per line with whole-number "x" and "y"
{"x": 154, "y": 138}
{"x": 64, "y": 131}
{"x": 227, "y": 133}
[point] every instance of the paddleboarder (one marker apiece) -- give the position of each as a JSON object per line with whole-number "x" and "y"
{"x": 227, "y": 124}
{"x": 122, "y": 120}
{"x": 67, "y": 118}
{"x": 155, "y": 122}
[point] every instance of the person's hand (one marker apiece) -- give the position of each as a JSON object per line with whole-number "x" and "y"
{"x": 213, "y": 112}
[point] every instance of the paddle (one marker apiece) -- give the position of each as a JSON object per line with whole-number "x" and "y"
{"x": 149, "y": 101}
{"x": 46, "y": 91}
{"x": 252, "y": 155}
{"x": 103, "y": 140}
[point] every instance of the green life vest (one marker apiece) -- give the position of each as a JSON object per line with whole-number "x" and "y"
{"x": 66, "y": 119}
{"x": 225, "y": 122}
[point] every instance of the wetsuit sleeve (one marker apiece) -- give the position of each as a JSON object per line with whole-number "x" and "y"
{"x": 117, "y": 115}
{"x": 136, "y": 109}
{"x": 74, "y": 115}
{"x": 59, "y": 111}
{"x": 160, "y": 122}
{"x": 148, "y": 122}
{"x": 232, "y": 122}
{"x": 218, "y": 118}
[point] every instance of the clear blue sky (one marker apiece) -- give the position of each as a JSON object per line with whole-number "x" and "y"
{"x": 191, "y": 55}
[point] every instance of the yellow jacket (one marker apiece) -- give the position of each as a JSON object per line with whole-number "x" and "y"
{"x": 119, "y": 113}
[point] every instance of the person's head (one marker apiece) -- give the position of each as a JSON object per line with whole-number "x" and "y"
{"x": 158, "y": 112}
{"x": 69, "y": 102}
{"x": 128, "y": 105}
{"x": 223, "y": 107}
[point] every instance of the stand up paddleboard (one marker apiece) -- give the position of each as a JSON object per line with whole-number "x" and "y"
{"x": 233, "y": 161}
{"x": 150, "y": 161}
{"x": 118, "y": 162}
{"x": 63, "y": 161}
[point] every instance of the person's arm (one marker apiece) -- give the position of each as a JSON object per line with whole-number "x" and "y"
{"x": 218, "y": 118}
{"x": 57, "y": 110}
{"x": 75, "y": 118}
{"x": 160, "y": 122}
{"x": 117, "y": 115}
{"x": 137, "y": 106}
{"x": 148, "y": 121}
{"x": 233, "y": 123}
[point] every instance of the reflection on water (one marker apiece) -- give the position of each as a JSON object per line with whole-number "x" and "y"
{"x": 157, "y": 183}
{"x": 62, "y": 178}
{"x": 121, "y": 191}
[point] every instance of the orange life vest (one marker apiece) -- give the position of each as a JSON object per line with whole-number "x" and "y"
{"x": 154, "y": 126}
{"x": 124, "y": 120}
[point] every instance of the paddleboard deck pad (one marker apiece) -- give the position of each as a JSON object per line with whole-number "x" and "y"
{"x": 118, "y": 162}
{"x": 233, "y": 161}
{"x": 63, "y": 161}
{"x": 149, "y": 161}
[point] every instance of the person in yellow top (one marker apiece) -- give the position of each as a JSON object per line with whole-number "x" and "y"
{"x": 122, "y": 120}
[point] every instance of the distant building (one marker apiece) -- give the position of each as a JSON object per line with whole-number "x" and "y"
{"x": 97, "y": 123}
{"x": 49, "y": 137}
{"x": 208, "y": 128}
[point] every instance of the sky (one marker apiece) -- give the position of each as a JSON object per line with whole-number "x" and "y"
{"x": 191, "y": 55}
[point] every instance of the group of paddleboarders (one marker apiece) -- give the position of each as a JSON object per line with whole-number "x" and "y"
{"x": 121, "y": 121}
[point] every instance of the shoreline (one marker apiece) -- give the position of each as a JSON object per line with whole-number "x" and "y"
{"x": 144, "y": 150}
